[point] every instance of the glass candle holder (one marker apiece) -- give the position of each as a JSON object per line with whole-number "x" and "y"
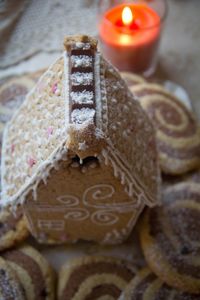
{"x": 130, "y": 33}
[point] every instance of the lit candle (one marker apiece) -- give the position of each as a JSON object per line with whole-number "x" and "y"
{"x": 130, "y": 36}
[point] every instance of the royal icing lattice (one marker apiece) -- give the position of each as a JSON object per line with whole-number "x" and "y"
{"x": 35, "y": 136}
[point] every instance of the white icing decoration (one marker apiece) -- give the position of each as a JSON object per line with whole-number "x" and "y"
{"x": 99, "y": 134}
{"x": 80, "y": 45}
{"x": 82, "y": 146}
{"x": 81, "y": 61}
{"x": 46, "y": 161}
{"x": 100, "y": 90}
{"x": 98, "y": 192}
{"x": 120, "y": 168}
{"x": 57, "y": 225}
{"x": 115, "y": 236}
{"x": 80, "y": 116}
{"x": 68, "y": 200}
{"x": 84, "y": 97}
{"x": 66, "y": 89}
{"x": 78, "y": 78}
{"x": 77, "y": 214}
{"x": 103, "y": 217}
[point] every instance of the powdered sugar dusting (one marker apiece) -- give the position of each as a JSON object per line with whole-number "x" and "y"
{"x": 80, "y": 116}
{"x": 84, "y": 97}
{"x": 81, "y": 61}
{"x": 79, "y": 78}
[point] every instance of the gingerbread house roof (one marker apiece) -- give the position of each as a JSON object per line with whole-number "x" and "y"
{"x": 80, "y": 106}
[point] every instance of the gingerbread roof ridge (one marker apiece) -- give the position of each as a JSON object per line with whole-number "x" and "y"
{"x": 82, "y": 60}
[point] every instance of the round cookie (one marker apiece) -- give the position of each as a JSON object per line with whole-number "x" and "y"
{"x": 132, "y": 79}
{"x": 13, "y": 229}
{"x": 94, "y": 277}
{"x": 177, "y": 131}
{"x": 34, "y": 272}
{"x": 194, "y": 177}
{"x": 146, "y": 286}
{"x": 12, "y": 93}
{"x": 10, "y": 287}
{"x": 14, "y": 89}
{"x": 170, "y": 237}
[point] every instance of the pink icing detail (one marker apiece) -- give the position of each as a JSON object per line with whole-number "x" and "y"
{"x": 31, "y": 162}
{"x": 54, "y": 87}
{"x": 49, "y": 131}
{"x": 12, "y": 148}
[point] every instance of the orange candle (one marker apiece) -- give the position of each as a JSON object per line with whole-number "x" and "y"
{"x": 130, "y": 36}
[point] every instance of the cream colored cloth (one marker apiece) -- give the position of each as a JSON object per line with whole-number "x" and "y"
{"x": 40, "y": 26}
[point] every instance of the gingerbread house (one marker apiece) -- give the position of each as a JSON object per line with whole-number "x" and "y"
{"x": 80, "y": 153}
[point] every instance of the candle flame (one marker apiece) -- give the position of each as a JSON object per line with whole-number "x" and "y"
{"x": 127, "y": 16}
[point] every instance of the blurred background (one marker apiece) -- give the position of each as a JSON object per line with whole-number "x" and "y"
{"x": 32, "y": 34}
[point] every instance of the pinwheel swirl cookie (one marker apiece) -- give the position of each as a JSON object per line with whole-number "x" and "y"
{"x": 146, "y": 286}
{"x": 178, "y": 134}
{"x": 94, "y": 277}
{"x": 170, "y": 237}
{"x": 13, "y": 229}
{"x": 12, "y": 94}
{"x": 33, "y": 271}
{"x": 10, "y": 287}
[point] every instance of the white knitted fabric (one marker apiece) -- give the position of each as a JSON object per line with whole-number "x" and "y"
{"x": 42, "y": 25}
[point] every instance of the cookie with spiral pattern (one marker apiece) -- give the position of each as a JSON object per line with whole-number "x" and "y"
{"x": 10, "y": 287}
{"x": 12, "y": 93}
{"x": 170, "y": 237}
{"x": 34, "y": 272}
{"x": 14, "y": 89}
{"x": 13, "y": 229}
{"x": 147, "y": 286}
{"x": 94, "y": 277}
{"x": 177, "y": 131}
{"x": 132, "y": 79}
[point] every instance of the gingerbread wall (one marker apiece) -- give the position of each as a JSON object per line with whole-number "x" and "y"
{"x": 81, "y": 202}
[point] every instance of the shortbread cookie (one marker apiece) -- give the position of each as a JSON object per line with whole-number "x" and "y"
{"x": 13, "y": 90}
{"x": 10, "y": 287}
{"x": 34, "y": 272}
{"x": 13, "y": 229}
{"x": 80, "y": 154}
{"x": 146, "y": 286}
{"x": 12, "y": 93}
{"x": 132, "y": 79}
{"x": 194, "y": 177}
{"x": 170, "y": 237}
{"x": 178, "y": 133}
{"x": 94, "y": 277}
